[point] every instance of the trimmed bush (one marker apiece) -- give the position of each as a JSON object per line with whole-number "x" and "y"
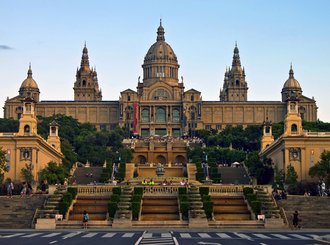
{"x": 63, "y": 208}
{"x": 204, "y": 191}
{"x": 200, "y": 176}
{"x": 73, "y": 191}
{"x": 256, "y": 207}
{"x": 67, "y": 197}
{"x": 206, "y": 198}
{"x": 247, "y": 190}
{"x": 182, "y": 191}
{"x": 136, "y": 198}
{"x": 138, "y": 191}
{"x": 184, "y": 208}
{"x": 112, "y": 208}
{"x": 136, "y": 206}
{"x": 114, "y": 198}
{"x": 208, "y": 208}
{"x": 183, "y": 198}
{"x": 116, "y": 190}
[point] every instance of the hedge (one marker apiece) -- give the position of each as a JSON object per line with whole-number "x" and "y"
{"x": 63, "y": 208}
{"x": 114, "y": 198}
{"x": 204, "y": 191}
{"x": 183, "y": 198}
{"x": 116, "y": 190}
{"x": 136, "y": 206}
{"x": 208, "y": 208}
{"x": 184, "y": 208}
{"x": 73, "y": 191}
{"x": 182, "y": 191}
{"x": 256, "y": 207}
{"x": 138, "y": 191}
{"x": 112, "y": 208}
{"x": 247, "y": 190}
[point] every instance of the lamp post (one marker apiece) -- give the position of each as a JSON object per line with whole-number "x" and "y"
{"x": 205, "y": 166}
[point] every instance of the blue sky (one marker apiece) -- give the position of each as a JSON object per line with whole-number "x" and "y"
{"x": 270, "y": 35}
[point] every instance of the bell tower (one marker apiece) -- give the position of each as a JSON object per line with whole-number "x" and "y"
{"x": 86, "y": 87}
{"x": 53, "y": 138}
{"x": 234, "y": 86}
{"x": 28, "y": 120}
{"x": 267, "y": 136}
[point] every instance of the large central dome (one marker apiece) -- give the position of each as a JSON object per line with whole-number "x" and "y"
{"x": 160, "y": 62}
{"x": 160, "y": 50}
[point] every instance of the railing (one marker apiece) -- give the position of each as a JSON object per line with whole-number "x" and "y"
{"x": 283, "y": 215}
{"x": 324, "y": 134}
{"x": 160, "y": 189}
{"x": 225, "y": 189}
{"x": 94, "y": 189}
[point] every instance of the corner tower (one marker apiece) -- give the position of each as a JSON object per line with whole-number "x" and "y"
{"x": 234, "y": 86}
{"x": 86, "y": 87}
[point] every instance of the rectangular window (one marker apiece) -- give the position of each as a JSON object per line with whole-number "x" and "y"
{"x": 208, "y": 127}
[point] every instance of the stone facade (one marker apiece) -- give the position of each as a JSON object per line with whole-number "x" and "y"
{"x": 27, "y": 147}
{"x": 296, "y": 147}
{"x": 160, "y": 105}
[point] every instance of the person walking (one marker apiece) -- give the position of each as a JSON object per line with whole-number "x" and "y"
{"x": 85, "y": 219}
{"x": 295, "y": 219}
{"x": 10, "y": 188}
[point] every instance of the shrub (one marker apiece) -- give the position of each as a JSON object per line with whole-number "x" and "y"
{"x": 73, "y": 191}
{"x": 67, "y": 197}
{"x": 138, "y": 191}
{"x": 183, "y": 198}
{"x": 112, "y": 208}
{"x": 208, "y": 208}
{"x": 256, "y": 207}
{"x": 182, "y": 191}
{"x": 200, "y": 176}
{"x": 114, "y": 198}
{"x": 136, "y": 198}
{"x": 136, "y": 209}
{"x": 184, "y": 208}
{"x": 206, "y": 198}
{"x": 116, "y": 190}
{"x": 204, "y": 191}
{"x": 247, "y": 190}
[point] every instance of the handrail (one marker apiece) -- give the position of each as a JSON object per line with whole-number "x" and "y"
{"x": 285, "y": 217}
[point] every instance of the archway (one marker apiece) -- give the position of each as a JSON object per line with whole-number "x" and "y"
{"x": 180, "y": 159}
{"x": 142, "y": 159}
{"x": 161, "y": 159}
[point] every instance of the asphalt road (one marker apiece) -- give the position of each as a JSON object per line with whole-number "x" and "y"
{"x": 162, "y": 237}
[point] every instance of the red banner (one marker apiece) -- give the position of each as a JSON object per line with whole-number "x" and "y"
{"x": 136, "y": 118}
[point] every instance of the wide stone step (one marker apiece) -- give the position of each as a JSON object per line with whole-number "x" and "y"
{"x": 156, "y": 217}
{"x": 159, "y": 202}
{"x": 92, "y": 216}
{"x": 155, "y": 211}
{"x": 230, "y": 208}
{"x": 228, "y": 201}
{"x": 232, "y": 216}
{"x": 232, "y": 211}
{"x": 91, "y": 209}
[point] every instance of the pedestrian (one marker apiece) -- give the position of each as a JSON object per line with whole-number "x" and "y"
{"x": 43, "y": 187}
{"x": 10, "y": 188}
{"x": 85, "y": 219}
{"x": 295, "y": 219}
{"x": 24, "y": 190}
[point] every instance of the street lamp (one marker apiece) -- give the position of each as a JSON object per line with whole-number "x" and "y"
{"x": 205, "y": 166}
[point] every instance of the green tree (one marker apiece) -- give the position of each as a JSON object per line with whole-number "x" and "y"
{"x": 322, "y": 168}
{"x": 291, "y": 175}
{"x": 8, "y": 125}
{"x": 3, "y": 164}
{"x": 53, "y": 173}
{"x": 27, "y": 173}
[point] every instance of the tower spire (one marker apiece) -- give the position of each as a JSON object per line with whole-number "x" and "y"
{"x": 29, "y": 73}
{"x": 84, "y": 58}
{"x": 291, "y": 73}
{"x": 160, "y": 32}
{"x": 236, "y": 58}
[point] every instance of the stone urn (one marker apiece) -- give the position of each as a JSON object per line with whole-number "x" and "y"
{"x": 160, "y": 171}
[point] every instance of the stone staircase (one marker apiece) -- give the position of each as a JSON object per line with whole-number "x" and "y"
{"x": 17, "y": 212}
{"x": 96, "y": 206}
{"x": 82, "y": 175}
{"x": 314, "y": 210}
{"x": 234, "y": 175}
{"x": 230, "y": 208}
{"x": 268, "y": 206}
{"x": 155, "y": 208}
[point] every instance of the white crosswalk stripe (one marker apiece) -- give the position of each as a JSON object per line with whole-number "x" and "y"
{"x": 13, "y": 235}
{"x": 33, "y": 235}
{"x": 204, "y": 235}
{"x": 185, "y": 235}
{"x": 223, "y": 235}
{"x": 281, "y": 236}
{"x": 72, "y": 234}
{"x": 52, "y": 234}
{"x": 243, "y": 236}
{"x": 301, "y": 237}
{"x": 110, "y": 234}
{"x": 166, "y": 235}
{"x": 128, "y": 235}
{"x": 261, "y": 236}
{"x": 147, "y": 235}
{"x": 91, "y": 234}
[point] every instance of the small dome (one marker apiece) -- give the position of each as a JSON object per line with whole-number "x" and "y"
{"x": 29, "y": 82}
{"x": 291, "y": 82}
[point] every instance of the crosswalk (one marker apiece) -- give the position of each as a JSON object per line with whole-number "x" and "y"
{"x": 145, "y": 238}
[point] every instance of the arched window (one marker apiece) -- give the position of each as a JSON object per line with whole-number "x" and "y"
{"x": 160, "y": 115}
{"x": 267, "y": 130}
{"x": 145, "y": 115}
{"x": 237, "y": 82}
{"x": 192, "y": 97}
{"x": 294, "y": 129}
{"x": 160, "y": 94}
{"x": 26, "y": 129}
{"x": 84, "y": 83}
{"x": 53, "y": 130}
{"x": 176, "y": 115}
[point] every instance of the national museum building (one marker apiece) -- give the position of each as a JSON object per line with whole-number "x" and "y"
{"x": 160, "y": 105}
